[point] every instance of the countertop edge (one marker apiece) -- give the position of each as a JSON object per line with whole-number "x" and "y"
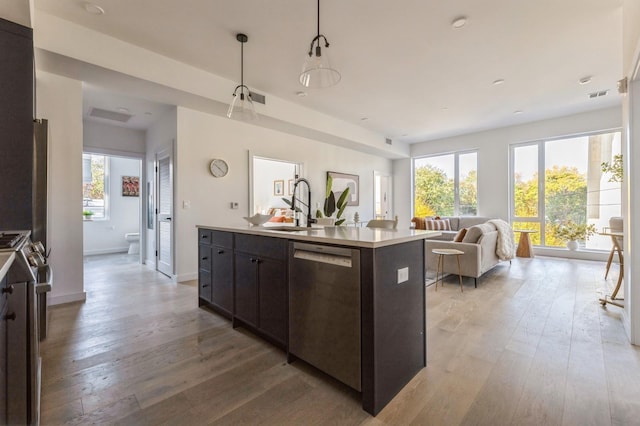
{"x": 305, "y": 236}
{"x": 6, "y": 259}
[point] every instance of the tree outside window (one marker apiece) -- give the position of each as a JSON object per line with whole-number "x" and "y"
{"x": 94, "y": 188}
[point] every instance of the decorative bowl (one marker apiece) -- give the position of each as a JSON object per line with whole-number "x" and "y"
{"x": 258, "y": 219}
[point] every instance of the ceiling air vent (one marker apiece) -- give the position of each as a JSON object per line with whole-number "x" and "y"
{"x": 109, "y": 115}
{"x": 257, "y": 97}
{"x": 598, "y": 94}
{"x": 388, "y": 141}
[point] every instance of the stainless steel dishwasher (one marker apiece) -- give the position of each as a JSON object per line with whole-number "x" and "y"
{"x": 324, "y": 309}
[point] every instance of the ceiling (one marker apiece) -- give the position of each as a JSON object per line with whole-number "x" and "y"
{"x": 406, "y": 72}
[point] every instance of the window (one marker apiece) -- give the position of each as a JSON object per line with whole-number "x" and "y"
{"x": 561, "y": 180}
{"x": 446, "y": 185}
{"x": 95, "y": 188}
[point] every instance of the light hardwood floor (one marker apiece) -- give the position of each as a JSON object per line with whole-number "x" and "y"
{"x": 531, "y": 345}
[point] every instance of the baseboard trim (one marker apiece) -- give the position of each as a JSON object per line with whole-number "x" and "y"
{"x": 106, "y": 251}
{"x": 187, "y": 277}
{"x": 66, "y": 298}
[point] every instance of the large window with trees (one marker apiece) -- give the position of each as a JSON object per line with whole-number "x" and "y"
{"x": 556, "y": 183}
{"x": 95, "y": 190}
{"x": 446, "y": 185}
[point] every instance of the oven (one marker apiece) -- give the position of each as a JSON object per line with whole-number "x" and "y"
{"x": 29, "y": 279}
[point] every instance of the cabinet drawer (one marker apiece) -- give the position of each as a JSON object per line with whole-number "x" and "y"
{"x": 222, "y": 239}
{"x": 204, "y": 236}
{"x": 204, "y": 285}
{"x": 274, "y": 248}
{"x": 204, "y": 257}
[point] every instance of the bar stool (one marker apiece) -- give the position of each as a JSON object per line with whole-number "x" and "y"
{"x": 440, "y": 268}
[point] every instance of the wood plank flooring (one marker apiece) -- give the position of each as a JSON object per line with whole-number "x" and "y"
{"x": 530, "y": 346}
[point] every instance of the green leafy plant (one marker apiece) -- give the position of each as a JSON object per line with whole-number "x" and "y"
{"x": 332, "y": 206}
{"x": 615, "y": 168}
{"x": 571, "y": 231}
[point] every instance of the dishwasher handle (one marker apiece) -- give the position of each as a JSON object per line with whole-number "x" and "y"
{"x": 336, "y": 256}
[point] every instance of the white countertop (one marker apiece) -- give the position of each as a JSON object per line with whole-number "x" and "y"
{"x": 6, "y": 259}
{"x": 339, "y": 235}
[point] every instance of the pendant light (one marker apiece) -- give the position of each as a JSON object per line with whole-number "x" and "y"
{"x": 317, "y": 71}
{"x": 241, "y": 106}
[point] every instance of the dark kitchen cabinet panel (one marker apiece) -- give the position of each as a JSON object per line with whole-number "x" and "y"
{"x": 272, "y": 300}
{"x": 215, "y": 270}
{"x": 222, "y": 278}
{"x": 16, "y": 125}
{"x": 261, "y": 285}
{"x": 246, "y": 288}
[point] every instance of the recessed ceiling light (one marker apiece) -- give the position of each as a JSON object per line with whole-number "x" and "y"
{"x": 93, "y": 9}
{"x": 518, "y": 112}
{"x": 364, "y": 118}
{"x": 459, "y": 22}
{"x": 498, "y": 81}
{"x": 301, "y": 94}
{"x": 123, "y": 109}
{"x": 445, "y": 108}
{"x": 585, "y": 80}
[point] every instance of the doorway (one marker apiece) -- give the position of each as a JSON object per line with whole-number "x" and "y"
{"x": 111, "y": 204}
{"x": 382, "y": 195}
{"x": 164, "y": 212}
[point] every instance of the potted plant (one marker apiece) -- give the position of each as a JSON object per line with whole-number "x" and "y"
{"x": 331, "y": 205}
{"x": 570, "y": 232}
{"x": 87, "y": 214}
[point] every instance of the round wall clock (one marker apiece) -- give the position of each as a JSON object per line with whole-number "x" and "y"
{"x": 219, "y": 168}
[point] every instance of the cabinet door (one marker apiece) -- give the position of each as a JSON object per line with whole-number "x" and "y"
{"x": 272, "y": 285}
{"x": 246, "y": 301}
{"x": 222, "y": 278}
{"x": 204, "y": 285}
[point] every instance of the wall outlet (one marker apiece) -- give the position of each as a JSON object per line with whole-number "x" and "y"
{"x": 234, "y": 205}
{"x": 186, "y": 204}
{"x": 403, "y": 275}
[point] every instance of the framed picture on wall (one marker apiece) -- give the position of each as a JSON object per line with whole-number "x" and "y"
{"x": 278, "y": 187}
{"x": 291, "y": 185}
{"x": 130, "y": 186}
{"x": 342, "y": 181}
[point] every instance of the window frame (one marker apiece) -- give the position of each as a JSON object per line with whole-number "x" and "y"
{"x": 456, "y": 178}
{"x": 107, "y": 189}
{"x": 541, "y": 145}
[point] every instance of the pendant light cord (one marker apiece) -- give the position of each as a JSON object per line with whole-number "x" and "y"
{"x": 242, "y": 66}
{"x": 318, "y": 22}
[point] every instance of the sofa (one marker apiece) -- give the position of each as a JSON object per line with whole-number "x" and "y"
{"x": 478, "y": 244}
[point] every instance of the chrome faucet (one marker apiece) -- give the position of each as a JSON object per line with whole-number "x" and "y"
{"x": 310, "y": 219}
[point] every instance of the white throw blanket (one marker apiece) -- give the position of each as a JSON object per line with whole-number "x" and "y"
{"x": 506, "y": 246}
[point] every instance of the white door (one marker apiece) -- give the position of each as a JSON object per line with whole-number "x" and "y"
{"x": 382, "y": 196}
{"x": 164, "y": 212}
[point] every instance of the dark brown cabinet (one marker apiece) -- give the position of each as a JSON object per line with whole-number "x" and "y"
{"x": 261, "y": 285}
{"x": 16, "y": 125}
{"x": 215, "y": 270}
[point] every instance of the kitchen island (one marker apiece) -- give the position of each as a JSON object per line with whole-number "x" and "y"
{"x": 349, "y": 301}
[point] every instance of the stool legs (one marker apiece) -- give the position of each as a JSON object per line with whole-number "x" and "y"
{"x": 459, "y": 273}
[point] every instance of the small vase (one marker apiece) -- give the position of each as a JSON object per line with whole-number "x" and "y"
{"x": 572, "y": 245}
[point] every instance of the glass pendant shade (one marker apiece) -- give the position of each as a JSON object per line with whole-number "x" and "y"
{"x": 317, "y": 72}
{"x": 241, "y": 107}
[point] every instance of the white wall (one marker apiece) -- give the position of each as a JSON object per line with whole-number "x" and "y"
{"x": 265, "y": 172}
{"x": 161, "y": 135}
{"x": 100, "y": 137}
{"x": 630, "y": 34}
{"x": 107, "y": 236}
{"x": 202, "y": 137}
{"x": 60, "y": 101}
{"x": 493, "y": 156}
{"x": 18, "y": 11}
